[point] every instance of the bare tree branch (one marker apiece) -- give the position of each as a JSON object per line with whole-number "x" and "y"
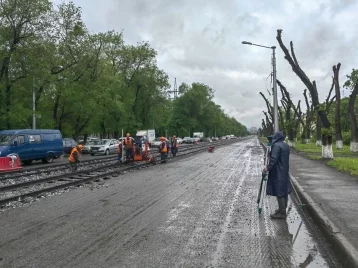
{"x": 268, "y": 105}
{"x": 311, "y": 86}
{"x": 293, "y": 54}
{"x": 330, "y": 100}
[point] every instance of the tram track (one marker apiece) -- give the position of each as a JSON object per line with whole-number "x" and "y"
{"x": 58, "y": 167}
{"x": 53, "y": 168}
{"x": 19, "y": 190}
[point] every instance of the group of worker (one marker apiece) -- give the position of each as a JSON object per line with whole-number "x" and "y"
{"x": 165, "y": 147}
{"x": 128, "y": 144}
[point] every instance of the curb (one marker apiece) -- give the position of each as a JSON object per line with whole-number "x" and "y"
{"x": 347, "y": 253}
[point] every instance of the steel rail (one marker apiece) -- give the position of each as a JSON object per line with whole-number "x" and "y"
{"x": 83, "y": 178}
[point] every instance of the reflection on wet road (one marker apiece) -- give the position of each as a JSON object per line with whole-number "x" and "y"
{"x": 194, "y": 212}
{"x": 216, "y": 223}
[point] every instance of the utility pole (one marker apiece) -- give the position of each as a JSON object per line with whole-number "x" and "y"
{"x": 33, "y": 104}
{"x": 273, "y": 62}
{"x": 275, "y": 104}
{"x": 175, "y": 90}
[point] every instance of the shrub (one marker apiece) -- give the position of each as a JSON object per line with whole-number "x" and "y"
{"x": 346, "y": 137}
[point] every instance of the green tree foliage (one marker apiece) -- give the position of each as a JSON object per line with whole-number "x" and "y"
{"x": 195, "y": 111}
{"x": 89, "y": 83}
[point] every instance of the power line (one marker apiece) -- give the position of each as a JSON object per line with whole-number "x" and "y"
{"x": 175, "y": 90}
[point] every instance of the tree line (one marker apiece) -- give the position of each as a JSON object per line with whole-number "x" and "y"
{"x": 328, "y": 121}
{"x": 88, "y": 83}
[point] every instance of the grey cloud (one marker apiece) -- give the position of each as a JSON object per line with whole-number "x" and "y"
{"x": 200, "y": 41}
{"x": 336, "y": 6}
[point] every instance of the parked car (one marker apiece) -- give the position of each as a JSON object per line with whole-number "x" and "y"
{"x": 87, "y": 147}
{"x": 156, "y": 142}
{"x": 93, "y": 139}
{"x": 187, "y": 140}
{"x": 179, "y": 140}
{"x": 32, "y": 144}
{"x": 105, "y": 147}
{"x": 68, "y": 145}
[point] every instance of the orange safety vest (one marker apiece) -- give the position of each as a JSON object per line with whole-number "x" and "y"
{"x": 72, "y": 158}
{"x": 164, "y": 149}
{"x": 128, "y": 143}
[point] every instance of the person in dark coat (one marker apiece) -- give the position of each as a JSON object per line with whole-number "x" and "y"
{"x": 279, "y": 183}
{"x": 174, "y": 145}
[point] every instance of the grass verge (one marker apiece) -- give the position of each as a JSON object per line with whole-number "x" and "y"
{"x": 344, "y": 160}
{"x": 314, "y": 157}
{"x": 313, "y": 148}
{"x": 345, "y": 164}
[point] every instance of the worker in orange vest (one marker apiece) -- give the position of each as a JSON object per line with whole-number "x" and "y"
{"x": 174, "y": 146}
{"x": 163, "y": 150}
{"x": 74, "y": 158}
{"x": 129, "y": 146}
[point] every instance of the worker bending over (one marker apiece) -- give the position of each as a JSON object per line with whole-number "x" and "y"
{"x": 74, "y": 158}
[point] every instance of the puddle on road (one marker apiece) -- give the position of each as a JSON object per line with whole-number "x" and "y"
{"x": 304, "y": 250}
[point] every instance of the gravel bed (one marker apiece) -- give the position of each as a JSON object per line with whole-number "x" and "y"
{"x": 42, "y": 175}
{"x": 52, "y": 168}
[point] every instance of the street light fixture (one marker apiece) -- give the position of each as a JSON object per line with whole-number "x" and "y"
{"x": 275, "y": 105}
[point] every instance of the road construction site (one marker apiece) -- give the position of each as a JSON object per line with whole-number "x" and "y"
{"x": 198, "y": 210}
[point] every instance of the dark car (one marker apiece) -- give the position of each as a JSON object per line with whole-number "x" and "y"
{"x": 68, "y": 145}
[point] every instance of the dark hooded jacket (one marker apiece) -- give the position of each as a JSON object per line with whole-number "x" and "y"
{"x": 278, "y": 183}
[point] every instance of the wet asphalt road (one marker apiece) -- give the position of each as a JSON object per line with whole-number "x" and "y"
{"x": 194, "y": 212}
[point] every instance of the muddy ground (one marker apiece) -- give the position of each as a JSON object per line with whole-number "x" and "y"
{"x": 195, "y": 212}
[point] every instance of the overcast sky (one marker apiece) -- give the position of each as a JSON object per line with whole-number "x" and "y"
{"x": 200, "y": 41}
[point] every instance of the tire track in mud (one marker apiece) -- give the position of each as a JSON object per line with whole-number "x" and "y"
{"x": 109, "y": 239}
{"x": 183, "y": 194}
{"x": 228, "y": 219}
{"x": 194, "y": 212}
{"x": 255, "y": 239}
{"x": 137, "y": 252}
{"x": 54, "y": 231}
{"x": 209, "y": 214}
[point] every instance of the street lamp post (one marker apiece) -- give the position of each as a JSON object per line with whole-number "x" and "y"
{"x": 275, "y": 105}
{"x": 33, "y": 105}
